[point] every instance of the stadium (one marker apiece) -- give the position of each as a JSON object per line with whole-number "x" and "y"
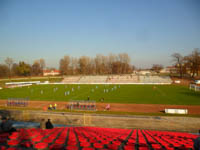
{"x": 99, "y": 75}
{"x": 137, "y": 116}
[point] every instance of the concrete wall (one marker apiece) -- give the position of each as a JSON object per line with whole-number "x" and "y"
{"x": 188, "y": 124}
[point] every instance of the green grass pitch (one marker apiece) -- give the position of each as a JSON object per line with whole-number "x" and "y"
{"x": 139, "y": 94}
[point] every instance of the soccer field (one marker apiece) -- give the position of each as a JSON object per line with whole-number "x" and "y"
{"x": 139, "y": 94}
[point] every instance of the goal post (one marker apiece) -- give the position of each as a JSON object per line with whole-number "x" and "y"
{"x": 194, "y": 87}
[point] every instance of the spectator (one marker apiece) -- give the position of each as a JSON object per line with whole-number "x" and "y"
{"x": 55, "y": 105}
{"x": 50, "y": 107}
{"x": 197, "y": 143}
{"x": 42, "y": 124}
{"x": 45, "y": 108}
{"x": 49, "y": 125}
{"x": 6, "y": 126}
{"x": 107, "y": 107}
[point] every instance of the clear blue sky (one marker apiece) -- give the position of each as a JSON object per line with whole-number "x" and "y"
{"x": 148, "y": 30}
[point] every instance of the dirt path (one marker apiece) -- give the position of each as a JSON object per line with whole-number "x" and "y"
{"x": 148, "y": 108}
{"x": 144, "y": 108}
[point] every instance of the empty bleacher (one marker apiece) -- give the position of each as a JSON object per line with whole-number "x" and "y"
{"x": 155, "y": 79}
{"x": 123, "y": 79}
{"x": 93, "y": 79}
{"x": 118, "y": 79}
{"x": 71, "y": 79}
{"x": 94, "y": 138}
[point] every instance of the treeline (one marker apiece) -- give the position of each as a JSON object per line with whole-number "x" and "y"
{"x": 111, "y": 64}
{"x": 187, "y": 65}
{"x": 10, "y": 69}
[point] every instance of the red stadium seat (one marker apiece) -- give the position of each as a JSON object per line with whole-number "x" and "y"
{"x": 85, "y": 144}
{"x": 98, "y": 145}
{"x": 13, "y": 148}
{"x": 48, "y": 140}
{"x": 113, "y": 146}
{"x": 13, "y": 142}
{"x": 56, "y": 147}
{"x": 72, "y": 138}
{"x": 71, "y": 148}
{"x": 37, "y": 139}
{"x": 41, "y": 145}
{"x": 88, "y": 148}
{"x": 26, "y": 144}
{"x": 59, "y": 141}
{"x": 3, "y": 147}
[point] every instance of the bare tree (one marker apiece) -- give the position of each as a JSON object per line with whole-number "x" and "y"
{"x": 193, "y": 62}
{"x": 42, "y": 63}
{"x": 64, "y": 65}
{"x": 99, "y": 65}
{"x": 196, "y": 60}
{"x": 91, "y": 66}
{"x": 14, "y": 69}
{"x": 157, "y": 67}
{"x": 74, "y": 66}
{"x": 84, "y": 64}
{"x": 116, "y": 69}
{"x": 178, "y": 59}
{"x": 4, "y": 70}
{"x": 105, "y": 65}
{"x": 111, "y": 59}
{"x": 124, "y": 60}
{"x": 9, "y": 62}
{"x": 36, "y": 68}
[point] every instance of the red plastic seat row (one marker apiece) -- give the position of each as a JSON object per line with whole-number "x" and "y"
{"x": 96, "y": 138}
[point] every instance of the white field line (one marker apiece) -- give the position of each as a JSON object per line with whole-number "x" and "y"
{"x": 113, "y": 83}
{"x": 29, "y": 78}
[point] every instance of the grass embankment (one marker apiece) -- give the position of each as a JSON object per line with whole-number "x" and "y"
{"x": 138, "y": 94}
